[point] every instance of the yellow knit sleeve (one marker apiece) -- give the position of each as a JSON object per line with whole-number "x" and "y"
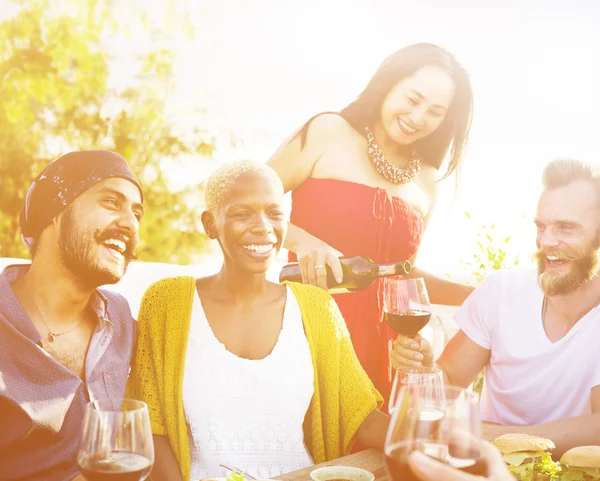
{"x": 147, "y": 366}
{"x": 344, "y": 395}
{"x": 358, "y": 396}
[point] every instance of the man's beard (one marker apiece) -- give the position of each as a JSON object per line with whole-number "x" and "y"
{"x": 77, "y": 248}
{"x": 583, "y": 268}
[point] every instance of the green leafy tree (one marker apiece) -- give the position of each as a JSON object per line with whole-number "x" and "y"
{"x": 492, "y": 252}
{"x": 57, "y": 96}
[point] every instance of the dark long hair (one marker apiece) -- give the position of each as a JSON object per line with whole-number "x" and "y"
{"x": 453, "y": 132}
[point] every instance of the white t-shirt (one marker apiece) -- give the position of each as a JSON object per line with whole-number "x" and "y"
{"x": 529, "y": 380}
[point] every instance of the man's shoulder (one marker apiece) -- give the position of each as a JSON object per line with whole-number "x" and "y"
{"x": 114, "y": 299}
{"x": 520, "y": 279}
{"x": 117, "y": 308}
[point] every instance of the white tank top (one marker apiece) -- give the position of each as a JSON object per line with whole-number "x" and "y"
{"x": 246, "y": 413}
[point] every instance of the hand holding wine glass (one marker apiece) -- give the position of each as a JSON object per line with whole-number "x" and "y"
{"x": 411, "y": 352}
{"x": 407, "y": 310}
{"x": 116, "y": 442}
{"x": 446, "y": 428}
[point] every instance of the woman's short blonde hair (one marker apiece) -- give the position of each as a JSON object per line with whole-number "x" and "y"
{"x": 221, "y": 180}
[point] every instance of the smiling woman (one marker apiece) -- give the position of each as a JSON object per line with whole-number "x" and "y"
{"x": 249, "y": 372}
{"x": 364, "y": 182}
{"x": 244, "y": 202}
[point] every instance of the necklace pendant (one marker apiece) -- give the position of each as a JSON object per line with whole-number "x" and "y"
{"x": 51, "y": 336}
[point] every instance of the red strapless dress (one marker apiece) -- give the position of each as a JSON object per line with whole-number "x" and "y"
{"x": 360, "y": 220}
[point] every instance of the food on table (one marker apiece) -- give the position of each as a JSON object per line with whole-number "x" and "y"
{"x": 341, "y": 473}
{"x": 235, "y": 476}
{"x": 526, "y": 454}
{"x": 581, "y": 464}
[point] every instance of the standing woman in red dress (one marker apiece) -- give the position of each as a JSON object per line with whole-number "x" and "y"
{"x": 365, "y": 182}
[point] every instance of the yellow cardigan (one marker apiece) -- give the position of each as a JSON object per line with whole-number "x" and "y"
{"x": 343, "y": 393}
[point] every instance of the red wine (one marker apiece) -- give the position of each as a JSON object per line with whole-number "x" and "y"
{"x": 396, "y": 460}
{"x": 408, "y": 323}
{"x": 115, "y": 466}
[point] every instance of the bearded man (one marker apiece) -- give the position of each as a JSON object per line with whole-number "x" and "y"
{"x": 536, "y": 332}
{"x": 63, "y": 341}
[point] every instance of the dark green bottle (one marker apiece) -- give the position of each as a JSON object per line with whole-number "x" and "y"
{"x": 359, "y": 272}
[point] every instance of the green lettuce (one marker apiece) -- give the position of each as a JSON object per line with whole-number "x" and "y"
{"x": 543, "y": 465}
{"x": 235, "y": 476}
{"x": 523, "y": 472}
{"x": 574, "y": 474}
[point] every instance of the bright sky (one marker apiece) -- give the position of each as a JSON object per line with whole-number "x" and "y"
{"x": 535, "y": 69}
{"x": 260, "y": 68}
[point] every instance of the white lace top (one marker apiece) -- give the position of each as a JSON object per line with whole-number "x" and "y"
{"x": 246, "y": 413}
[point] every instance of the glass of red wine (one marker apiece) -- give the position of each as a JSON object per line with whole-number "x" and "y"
{"x": 406, "y": 305}
{"x": 445, "y": 427}
{"x": 407, "y": 310}
{"x": 116, "y": 442}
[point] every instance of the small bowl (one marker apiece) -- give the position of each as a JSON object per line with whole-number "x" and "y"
{"x": 341, "y": 473}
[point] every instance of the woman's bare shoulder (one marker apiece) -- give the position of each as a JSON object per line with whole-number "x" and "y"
{"x": 329, "y": 126}
{"x": 430, "y": 177}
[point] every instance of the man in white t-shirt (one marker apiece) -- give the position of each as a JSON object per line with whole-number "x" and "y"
{"x": 536, "y": 332}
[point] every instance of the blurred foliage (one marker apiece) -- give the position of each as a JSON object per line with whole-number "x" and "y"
{"x": 55, "y": 70}
{"x": 491, "y": 252}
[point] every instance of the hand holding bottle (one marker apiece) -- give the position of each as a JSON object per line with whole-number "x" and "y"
{"x": 313, "y": 255}
{"x": 358, "y": 272}
{"x": 411, "y": 352}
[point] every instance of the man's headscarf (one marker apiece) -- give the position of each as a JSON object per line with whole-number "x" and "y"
{"x": 62, "y": 181}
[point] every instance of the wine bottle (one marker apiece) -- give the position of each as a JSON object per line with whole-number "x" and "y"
{"x": 359, "y": 272}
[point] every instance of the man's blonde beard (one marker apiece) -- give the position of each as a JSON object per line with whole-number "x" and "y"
{"x": 552, "y": 284}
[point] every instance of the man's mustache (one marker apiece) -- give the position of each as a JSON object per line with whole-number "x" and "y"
{"x": 117, "y": 234}
{"x": 563, "y": 255}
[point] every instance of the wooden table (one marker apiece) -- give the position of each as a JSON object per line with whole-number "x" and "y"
{"x": 370, "y": 459}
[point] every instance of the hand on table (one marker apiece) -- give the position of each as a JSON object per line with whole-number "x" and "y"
{"x": 411, "y": 352}
{"x": 428, "y": 469}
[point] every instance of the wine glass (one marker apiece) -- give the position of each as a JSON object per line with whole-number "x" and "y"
{"x": 116, "y": 441}
{"x": 448, "y": 429}
{"x": 407, "y": 310}
{"x": 406, "y": 305}
{"x": 430, "y": 378}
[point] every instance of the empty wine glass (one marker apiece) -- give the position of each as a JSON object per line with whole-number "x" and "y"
{"x": 116, "y": 441}
{"x": 431, "y": 379}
